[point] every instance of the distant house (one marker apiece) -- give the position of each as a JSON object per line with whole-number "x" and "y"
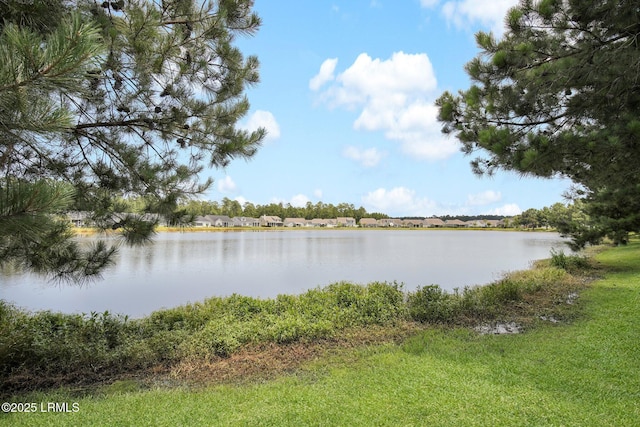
{"x": 346, "y": 221}
{"x": 485, "y": 223}
{"x": 219, "y": 220}
{"x": 202, "y": 221}
{"x": 78, "y": 218}
{"x": 413, "y": 223}
{"x": 318, "y": 222}
{"x": 294, "y": 222}
{"x": 368, "y": 222}
{"x": 154, "y": 217}
{"x": 271, "y": 221}
{"x": 321, "y": 222}
{"x": 477, "y": 223}
{"x": 83, "y": 218}
{"x": 455, "y": 223}
{"x": 389, "y": 222}
{"x": 244, "y": 221}
{"x": 494, "y": 222}
{"x": 433, "y": 222}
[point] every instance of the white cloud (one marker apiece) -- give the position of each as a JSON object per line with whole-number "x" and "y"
{"x": 324, "y": 75}
{"x": 403, "y": 201}
{"x": 484, "y": 198}
{"x": 398, "y": 201}
{"x": 263, "y": 119}
{"x": 510, "y": 209}
{"x": 368, "y": 158}
{"x": 491, "y": 14}
{"x": 299, "y": 200}
{"x": 226, "y": 185}
{"x": 395, "y": 96}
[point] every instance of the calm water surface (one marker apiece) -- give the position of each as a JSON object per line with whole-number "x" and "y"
{"x": 187, "y": 267}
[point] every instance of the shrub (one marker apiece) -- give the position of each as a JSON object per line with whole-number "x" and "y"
{"x": 165, "y": 345}
{"x": 483, "y": 302}
{"x": 432, "y": 304}
{"x": 217, "y": 338}
{"x": 500, "y": 293}
{"x": 380, "y": 303}
{"x": 569, "y": 263}
{"x": 345, "y": 294}
{"x": 68, "y": 344}
{"x": 167, "y": 319}
{"x": 286, "y": 328}
{"x": 540, "y": 278}
{"x": 244, "y": 308}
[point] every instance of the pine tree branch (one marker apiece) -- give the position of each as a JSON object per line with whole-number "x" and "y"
{"x": 108, "y": 124}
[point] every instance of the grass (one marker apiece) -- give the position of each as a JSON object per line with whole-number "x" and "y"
{"x": 582, "y": 373}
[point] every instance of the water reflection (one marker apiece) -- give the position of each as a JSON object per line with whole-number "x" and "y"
{"x": 186, "y": 267}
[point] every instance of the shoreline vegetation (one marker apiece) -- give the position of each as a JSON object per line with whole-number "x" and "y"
{"x": 48, "y": 349}
{"x": 348, "y": 354}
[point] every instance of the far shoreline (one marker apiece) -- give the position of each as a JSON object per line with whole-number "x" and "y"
{"x": 85, "y": 231}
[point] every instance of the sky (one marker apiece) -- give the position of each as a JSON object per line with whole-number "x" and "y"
{"x": 347, "y": 96}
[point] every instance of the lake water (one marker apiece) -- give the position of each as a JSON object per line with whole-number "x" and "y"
{"x": 178, "y": 268}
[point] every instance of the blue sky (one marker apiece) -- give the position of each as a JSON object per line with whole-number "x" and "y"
{"x": 347, "y": 91}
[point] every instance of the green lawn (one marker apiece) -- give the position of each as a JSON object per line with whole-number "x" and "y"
{"x": 583, "y": 374}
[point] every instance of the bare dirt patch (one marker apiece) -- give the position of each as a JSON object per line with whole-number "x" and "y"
{"x": 269, "y": 360}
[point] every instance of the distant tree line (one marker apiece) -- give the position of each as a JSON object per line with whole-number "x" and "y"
{"x": 471, "y": 217}
{"x": 565, "y": 218}
{"x": 233, "y": 208}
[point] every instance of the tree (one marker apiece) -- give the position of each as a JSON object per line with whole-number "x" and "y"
{"x": 529, "y": 218}
{"x": 573, "y": 220}
{"x": 559, "y": 95}
{"x": 231, "y": 208}
{"x": 249, "y": 209}
{"x": 118, "y": 99}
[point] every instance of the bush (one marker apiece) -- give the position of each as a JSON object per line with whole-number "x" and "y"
{"x": 500, "y": 293}
{"x": 531, "y": 281}
{"x": 569, "y": 263}
{"x": 244, "y": 308}
{"x": 165, "y": 345}
{"x": 383, "y": 303}
{"x": 288, "y": 328}
{"x": 346, "y": 295}
{"x": 432, "y": 304}
{"x": 217, "y": 338}
{"x": 47, "y": 343}
{"x": 486, "y": 302}
{"x": 356, "y": 305}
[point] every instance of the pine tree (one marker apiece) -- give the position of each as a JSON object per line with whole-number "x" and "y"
{"x": 118, "y": 99}
{"x": 35, "y": 238}
{"x": 558, "y": 95}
